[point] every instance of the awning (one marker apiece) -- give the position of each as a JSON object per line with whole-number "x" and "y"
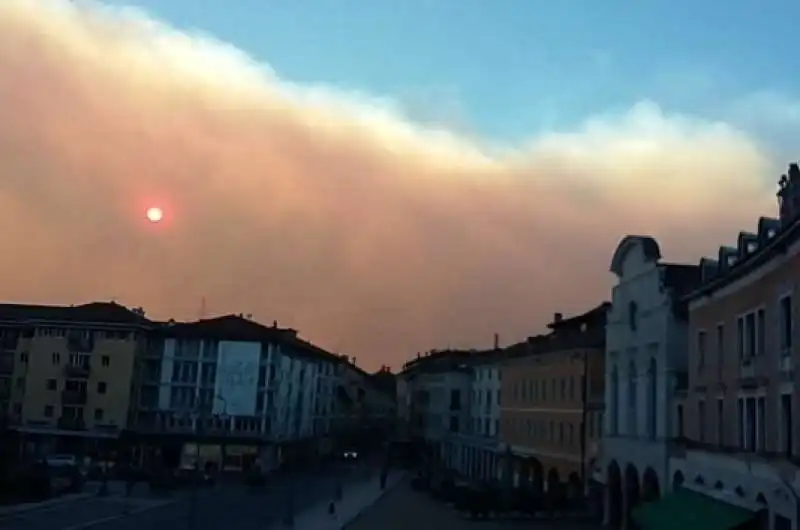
{"x": 685, "y": 509}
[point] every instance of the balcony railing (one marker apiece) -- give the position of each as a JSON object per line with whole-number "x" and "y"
{"x": 77, "y": 371}
{"x": 747, "y": 370}
{"x": 73, "y": 397}
{"x": 71, "y": 424}
{"x": 787, "y": 367}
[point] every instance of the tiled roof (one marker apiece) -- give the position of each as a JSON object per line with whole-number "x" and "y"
{"x": 227, "y": 327}
{"x": 238, "y": 328}
{"x": 593, "y": 317}
{"x": 92, "y": 313}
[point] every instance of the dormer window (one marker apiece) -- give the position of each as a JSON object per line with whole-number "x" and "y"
{"x": 751, "y": 247}
{"x": 770, "y": 233}
{"x": 731, "y": 261}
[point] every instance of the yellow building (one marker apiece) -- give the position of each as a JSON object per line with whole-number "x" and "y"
{"x": 66, "y": 371}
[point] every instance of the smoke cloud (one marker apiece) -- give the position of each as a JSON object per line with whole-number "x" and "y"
{"x": 328, "y": 211}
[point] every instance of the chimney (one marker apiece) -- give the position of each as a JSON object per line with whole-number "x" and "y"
{"x": 274, "y": 323}
{"x": 558, "y": 317}
{"x": 496, "y": 341}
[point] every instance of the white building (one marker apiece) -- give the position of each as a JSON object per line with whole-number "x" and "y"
{"x": 645, "y": 355}
{"x": 454, "y": 404}
{"x": 259, "y": 392}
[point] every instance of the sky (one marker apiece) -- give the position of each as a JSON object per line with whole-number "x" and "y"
{"x": 386, "y": 177}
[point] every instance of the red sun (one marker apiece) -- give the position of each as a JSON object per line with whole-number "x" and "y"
{"x": 154, "y": 214}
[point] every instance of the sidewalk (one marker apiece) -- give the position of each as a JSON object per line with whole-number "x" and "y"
{"x": 15, "y": 509}
{"x": 355, "y": 500}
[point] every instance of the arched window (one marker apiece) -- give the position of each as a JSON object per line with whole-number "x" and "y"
{"x": 614, "y": 416}
{"x": 652, "y": 396}
{"x": 632, "y": 428}
{"x": 633, "y": 315}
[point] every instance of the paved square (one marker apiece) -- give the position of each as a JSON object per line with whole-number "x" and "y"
{"x": 403, "y": 508}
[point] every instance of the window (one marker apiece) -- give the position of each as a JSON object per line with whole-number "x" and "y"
{"x": 52, "y": 384}
{"x": 786, "y": 424}
{"x": 633, "y": 311}
{"x": 750, "y": 334}
{"x": 750, "y": 419}
{"x": 652, "y": 397}
{"x": 56, "y": 357}
{"x": 761, "y": 328}
{"x": 453, "y": 423}
{"x": 720, "y": 422}
{"x": 701, "y": 420}
{"x": 563, "y": 389}
{"x": 614, "y": 416}
{"x": 561, "y": 432}
{"x": 571, "y": 388}
{"x": 740, "y": 422}
{"x": 101, "y": 387}
{"x": 570, "y": 433}
{"x": 455, "y": 399}
{"x": 679, "y": 420}
{"x": 48, "y": 411}
{"x": 786, "y": 327}
{"x": 761, "y": 423}
{"x": 105, "y": 360}
{"x": 720, "y": 346}
{"x": 740, "y": 337}
{"x": 98, "y": 414}
{"x": 701, "y": 349}
{"x": 632, "y": 428}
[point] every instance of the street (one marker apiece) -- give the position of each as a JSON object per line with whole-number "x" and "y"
{"x": 214, "y": 508}
{"x": 402, "y": 508}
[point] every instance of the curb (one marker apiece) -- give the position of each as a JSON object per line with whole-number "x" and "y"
{"x": 346, "y": 524}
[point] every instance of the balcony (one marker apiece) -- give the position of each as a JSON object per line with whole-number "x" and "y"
{"x": 77, "y": 371}
{"x": 747, "y": 369}
{"x": 71, "y": 424}
{"x": 73, "y": 397}
{"x": 787, "y": 368}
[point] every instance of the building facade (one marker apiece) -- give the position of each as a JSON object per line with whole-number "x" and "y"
{"x": 66, "y": 373}
{"x": 740, "y": 413}
{"x": 247, "y": 393}
{"x": 552, "y": 391}
{"x": 646, "y": 336}
{"x": 439, "y": 386}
